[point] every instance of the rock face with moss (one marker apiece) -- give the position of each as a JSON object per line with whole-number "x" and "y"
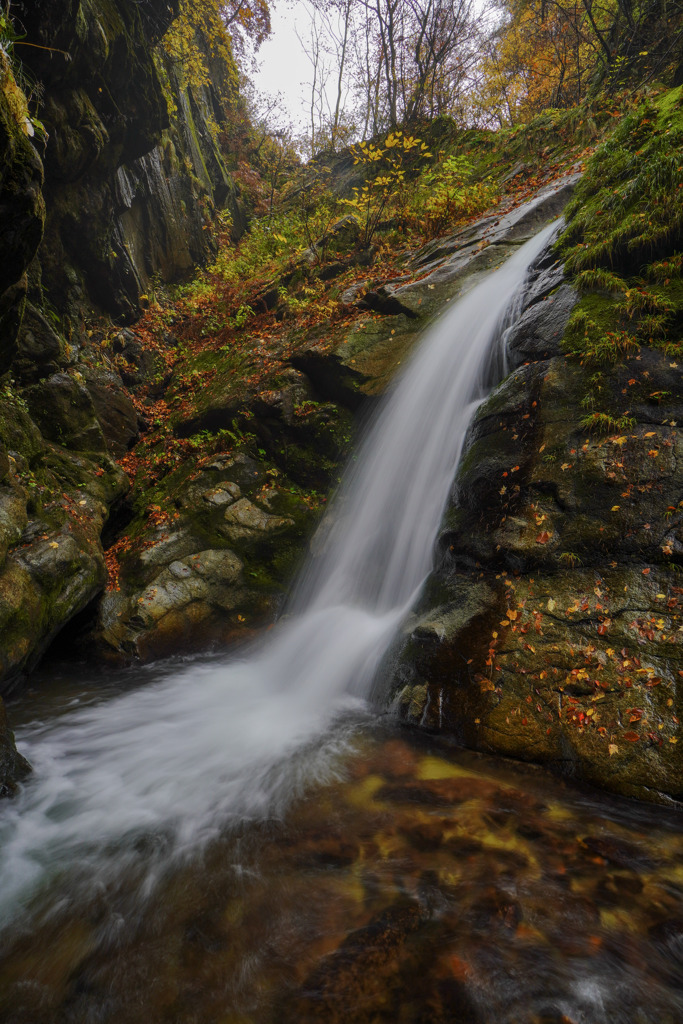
{"x": 21, "y": 226}
{"x": 123, "y": 193}
{"x": 551, "y": 630}
{"x": 130, "y": 190}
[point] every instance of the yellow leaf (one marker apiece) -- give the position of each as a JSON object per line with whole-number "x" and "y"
{"x": 615, "y": 508}
{"x": 613, "y": 749}
{"x": 54, "y": 544}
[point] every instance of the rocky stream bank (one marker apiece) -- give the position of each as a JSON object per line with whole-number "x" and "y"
{"x": 550, "y": 630}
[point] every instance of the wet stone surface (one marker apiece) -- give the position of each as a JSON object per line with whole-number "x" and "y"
{"x": 424, "y": 884}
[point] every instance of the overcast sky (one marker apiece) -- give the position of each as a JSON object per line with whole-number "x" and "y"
{"x": 284, "y": 66}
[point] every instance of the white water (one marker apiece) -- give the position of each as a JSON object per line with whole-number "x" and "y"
{"x": 182, "y": 757}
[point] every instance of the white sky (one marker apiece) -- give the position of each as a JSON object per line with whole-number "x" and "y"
{"x": 284, "y": 66}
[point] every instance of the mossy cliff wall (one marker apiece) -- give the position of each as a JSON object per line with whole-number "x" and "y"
{"x": 125, "y": 190}
{"x": 130, "y": 191}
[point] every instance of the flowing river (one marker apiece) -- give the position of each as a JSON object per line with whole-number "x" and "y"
{"x": 246, "y": 841}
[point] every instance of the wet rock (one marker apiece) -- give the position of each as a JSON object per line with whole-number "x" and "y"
{"x": 539, "y": 331}
{"x": 63, "y": 409}
{"x": 551, "y": 629}
{"x": 245, "y": 521}
{"x": 53, "y": 504}
{"x": 351, "y": 363}
{"x": 40, "y": 349}
{"x": 115, "y": 412}
{"x": 210, "y": 571}
{"x": 136, "y": 365}
{"x": 22, "y": 212}
{"x": 13, "y": 767}
{"x": 362, "y": 964}
{"x": 224, "y": 494}
{"x": 183, "y": 608}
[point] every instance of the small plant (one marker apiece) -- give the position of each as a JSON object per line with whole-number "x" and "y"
{"x": 598, "y": 278}
{"x": 641, "y": 301}
{"x": 452, "y": 196}
{"x": 243, "y": 314}
{"x": 585, "y": 339}
{"x": 387, "y": 166}
{"x": 666, "y": 270}
{"x": 603, "y": 423}
{"x": 570, "y": 558}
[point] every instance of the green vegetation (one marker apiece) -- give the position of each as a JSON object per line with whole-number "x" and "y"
{"x": 624, "y": 224}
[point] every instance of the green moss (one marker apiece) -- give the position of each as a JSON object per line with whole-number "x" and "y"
{"x": 624, "y": 227}
{"x": 628, "y": 208}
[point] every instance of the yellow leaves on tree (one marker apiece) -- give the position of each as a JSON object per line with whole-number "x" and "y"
{"x": 541, "y": 57}
{"x": 203, "y": 41}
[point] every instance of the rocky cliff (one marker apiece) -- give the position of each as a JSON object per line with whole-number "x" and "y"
{"x": 121, "y": 190}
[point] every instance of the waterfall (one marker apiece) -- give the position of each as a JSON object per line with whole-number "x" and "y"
{"x": 179, "y": 759}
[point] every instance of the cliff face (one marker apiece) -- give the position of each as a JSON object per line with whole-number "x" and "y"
{"x": 124, "y": 193}
{"x": 129, "y": 190}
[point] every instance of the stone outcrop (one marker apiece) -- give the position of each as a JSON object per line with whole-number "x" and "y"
{"x": 551, "y": 628}
{"x": 350, "y": 363}
{"x": 219, "y": 562}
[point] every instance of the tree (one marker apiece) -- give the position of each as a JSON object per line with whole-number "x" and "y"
{"x": 402, "y": 61}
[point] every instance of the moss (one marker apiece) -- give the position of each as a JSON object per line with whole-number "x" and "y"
{"x": 621, "y": 245}
{"x": 628, "y": 208}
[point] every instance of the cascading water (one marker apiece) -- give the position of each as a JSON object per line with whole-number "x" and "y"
{"x": 181, "y": 758}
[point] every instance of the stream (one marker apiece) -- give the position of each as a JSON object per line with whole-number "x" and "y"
{"x": 250, "y": 840}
